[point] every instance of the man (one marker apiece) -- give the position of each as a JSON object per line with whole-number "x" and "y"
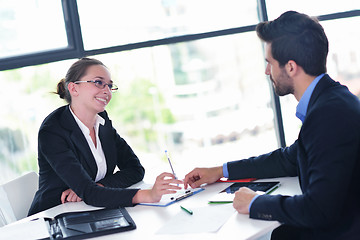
{"x": 326, "y": 155}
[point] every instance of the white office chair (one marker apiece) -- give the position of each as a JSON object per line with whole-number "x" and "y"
{"x": 16, "y": 197}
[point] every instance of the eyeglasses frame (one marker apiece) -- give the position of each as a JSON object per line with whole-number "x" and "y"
{"x": 113, "y": 87}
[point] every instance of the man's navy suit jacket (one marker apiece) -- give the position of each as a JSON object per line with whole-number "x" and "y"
{"x": 66, "y": 161}
{"x": 326, "y": 158}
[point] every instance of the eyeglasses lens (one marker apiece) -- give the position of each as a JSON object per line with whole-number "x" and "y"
{"x": 102, "y": 85}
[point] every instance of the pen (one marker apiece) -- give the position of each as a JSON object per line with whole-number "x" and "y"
{"x": 166, "y": 153}
{"x": 187, "y": 210}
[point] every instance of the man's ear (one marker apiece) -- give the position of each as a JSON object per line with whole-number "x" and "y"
{"x": 291, "y": 68}
{"x": 73, "y": 89}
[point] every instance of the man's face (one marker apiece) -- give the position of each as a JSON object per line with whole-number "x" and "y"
{"x": 282, "y": 83}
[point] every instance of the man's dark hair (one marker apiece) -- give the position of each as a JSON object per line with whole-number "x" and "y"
{"x": 298, "y": 37}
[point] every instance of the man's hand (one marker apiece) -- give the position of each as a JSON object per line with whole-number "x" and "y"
{"x": 199, "y": 176}
{"x": 243, "y": 199}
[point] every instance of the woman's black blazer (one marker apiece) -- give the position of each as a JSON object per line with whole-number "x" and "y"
{"x": 66, "y": 161}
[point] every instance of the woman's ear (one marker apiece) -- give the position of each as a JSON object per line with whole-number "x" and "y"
{"x": 73, "y": 89}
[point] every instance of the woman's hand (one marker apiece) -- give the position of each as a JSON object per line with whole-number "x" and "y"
{"x": 165, "y": 184}
{"x": 69, "y": 196}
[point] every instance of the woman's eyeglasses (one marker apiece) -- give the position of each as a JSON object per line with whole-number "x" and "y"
{"x": 101, "y": 84}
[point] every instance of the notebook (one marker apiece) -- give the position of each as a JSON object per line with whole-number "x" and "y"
{"x": 87, "y": 224}
{"x": 227, "y": 195}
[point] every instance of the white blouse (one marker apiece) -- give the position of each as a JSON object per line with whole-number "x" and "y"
{"x": 97, "y": 151}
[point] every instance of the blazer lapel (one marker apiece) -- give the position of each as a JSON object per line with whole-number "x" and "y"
{"x": 79, "y": 141}
{"x": 107, "y": 144}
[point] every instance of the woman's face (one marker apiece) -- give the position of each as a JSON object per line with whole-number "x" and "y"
{"x": 90, "y": 96}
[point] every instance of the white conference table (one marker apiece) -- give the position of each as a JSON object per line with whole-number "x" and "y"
{"x": 150, "y": 219}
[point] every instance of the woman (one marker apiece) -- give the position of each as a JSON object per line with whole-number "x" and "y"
{"x": 78, "y": 149}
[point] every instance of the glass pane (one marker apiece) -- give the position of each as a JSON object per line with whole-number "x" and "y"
{"x": 343, "y": 65}
{"x": 205, "y": 101}
{"x": 313, "y": 8}
{"x": 27, "y": 104}
{"x": 113, "y": 22}
{"x": 31, "y": 26}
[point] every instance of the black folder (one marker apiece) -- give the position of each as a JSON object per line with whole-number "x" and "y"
{"x": 227, "y": 195}
{"x": 87, "y": 224}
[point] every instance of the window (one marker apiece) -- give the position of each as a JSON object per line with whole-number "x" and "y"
{"x": 143, "y": 20}
{"x": 313, "y": 8}
{"x": 31, "y": 26}
{"x": 27, "y": 100}
{"x": 227, "y": 108}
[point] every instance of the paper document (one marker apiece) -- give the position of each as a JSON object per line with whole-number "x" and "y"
{"x": 64, "y": 208}
{"x": 36, "y": 229}
{"x": 203, "y": 220}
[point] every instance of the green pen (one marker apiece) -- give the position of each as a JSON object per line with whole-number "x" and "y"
{"x": 187, "y": 210}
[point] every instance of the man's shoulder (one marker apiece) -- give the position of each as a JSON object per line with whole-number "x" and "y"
{"x": 332, "y": 94}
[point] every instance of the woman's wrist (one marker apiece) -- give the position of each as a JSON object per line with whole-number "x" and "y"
{"x": 142, "y": 196}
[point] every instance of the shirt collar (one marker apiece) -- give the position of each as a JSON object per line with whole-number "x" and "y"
{"x": 302, "y": 106}
{"x": 83, "y": 128}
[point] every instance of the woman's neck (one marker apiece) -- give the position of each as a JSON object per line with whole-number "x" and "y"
{"x": 86, "y": 117}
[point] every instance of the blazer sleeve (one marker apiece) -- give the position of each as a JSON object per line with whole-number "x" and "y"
{"x": 279, "y": 163}
{"x": 131, "y": 171}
